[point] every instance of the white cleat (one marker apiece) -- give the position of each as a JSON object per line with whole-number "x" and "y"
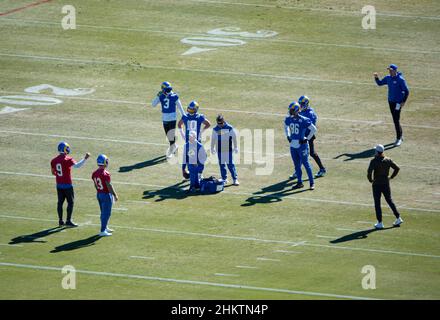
{"x": 109, "y": 230}
{"x": 398, "y": 142}
{"x": 398, "y": 222}
{"x": 379, "y": 225}
{"x": 169, "y": 154}
{"x": 236, "y": 182}
{"x": 105, "y": 234}
{"x": 225, "y": 181}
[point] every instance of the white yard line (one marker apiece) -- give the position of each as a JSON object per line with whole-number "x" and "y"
{"x": 347, "y": 229}
{"x": 267, "y": 259}
{"x": 327, "y": 237}
{"x": 286, "y": 251}
{"x": 11, "y": 245}
{"x": 337, "y": 202}
{"x": 208, "y": 71}
{"x": 138, "y": 201}
{"x": 226, "y": 275}
{"x": 198, "y": 34}
{"x": 197, "y": 234}
{"x": 141, "y": 257}
{"x": 181, "y": 281}
{"x": 246, "y": 267}
{"x": 301, "y": 8}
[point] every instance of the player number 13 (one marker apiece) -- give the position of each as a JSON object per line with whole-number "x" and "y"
{"x": 98, "y": 183}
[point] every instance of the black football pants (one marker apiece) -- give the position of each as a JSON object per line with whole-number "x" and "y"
{"x": 170, "y": 131}
{"x": 65, "y": 194}
{"x": 396, "y": 119}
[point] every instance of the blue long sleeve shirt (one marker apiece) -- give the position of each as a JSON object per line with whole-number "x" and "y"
{"x": 397, "y": 89}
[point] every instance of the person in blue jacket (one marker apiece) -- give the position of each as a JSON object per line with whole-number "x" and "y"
{"x": 398, "y": 93}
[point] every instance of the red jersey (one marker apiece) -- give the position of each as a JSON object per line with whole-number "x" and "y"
{"x": 62, "y": 168}
{"x": 100, "y": 177}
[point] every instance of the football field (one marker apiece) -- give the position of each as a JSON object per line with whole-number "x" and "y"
{"x": 92, "y": 86}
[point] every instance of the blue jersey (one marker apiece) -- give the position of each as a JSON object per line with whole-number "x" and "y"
{"x": 193, "y": 122}
{"x": 223, "y": 138}
{"x": 194, "y": 153}
{"x": 298, "y": 127}
{"x": 397, "y": 89}
{"x": 310, "y": 114}
{"x": 168, "y": 102}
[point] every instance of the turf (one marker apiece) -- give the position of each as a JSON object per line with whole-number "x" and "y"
{"x": 124, "y": 50}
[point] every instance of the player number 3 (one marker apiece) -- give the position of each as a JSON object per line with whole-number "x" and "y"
{"x": 98, "y": 184}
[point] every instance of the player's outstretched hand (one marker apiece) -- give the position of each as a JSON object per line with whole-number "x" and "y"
{"x": 87, "y": 155}
{"x": 116, "y": 197}
{"x": 375, "y": 75}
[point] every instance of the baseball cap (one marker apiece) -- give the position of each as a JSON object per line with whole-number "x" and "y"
{"x": 392, "y": 67}
{"x": 379, "y": 148}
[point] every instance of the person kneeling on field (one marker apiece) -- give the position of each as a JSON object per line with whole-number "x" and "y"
{"x": 195, "y": 157}
{"x": 106, "y": 193}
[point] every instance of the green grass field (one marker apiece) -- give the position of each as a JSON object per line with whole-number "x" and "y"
{"x": 260, "y": 240}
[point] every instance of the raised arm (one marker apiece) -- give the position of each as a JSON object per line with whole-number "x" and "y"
{"x": 179, "y": 106}
{"x": 378, "y": 81}
{"x": 80, "y": 163}
{"x": 156, "y": 100}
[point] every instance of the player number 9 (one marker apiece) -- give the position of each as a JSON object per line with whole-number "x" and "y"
{"x": 59, "y": 169}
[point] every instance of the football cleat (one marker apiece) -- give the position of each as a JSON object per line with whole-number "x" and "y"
{"x": 105, "y": 233}
{"x": 193, "y": 107}
{"x": 398, "y": 222}
{"x": 312, "y": 187}
{"x": 398, "y": 142}
{"x": 109, "y": 230}
{"x": 236, "y": 182}
{"x": 293, "y": 176}
{"x": 185, "y": 174}
{"x": 64, "y": 147}
{"x": 379, "y": 225}
{"x": 166, "y": 87}
{"x": 61, "y": 223}
{"x": 321, "y": 173}
{"x": 71, "y": 224}
{"x": 102, "y": 160}
{"x": 298, "y": 186}
{"x": 304, "y": 102}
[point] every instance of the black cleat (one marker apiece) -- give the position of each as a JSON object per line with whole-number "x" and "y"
{"x": 61, "y": 223}
{"x": 298, "y": 186}
{"x": 71, "y": 224}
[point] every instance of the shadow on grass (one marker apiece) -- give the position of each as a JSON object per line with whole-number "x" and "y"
{"x": 174, "y": 191}
{"x": 369, "y": 153}
{"x": 273, "y": 193}
{"x": 90, "y": 241}
{"x": 28, "y": 238}
{"x": 144, "y": 164}
{"x": 358, "y": 235}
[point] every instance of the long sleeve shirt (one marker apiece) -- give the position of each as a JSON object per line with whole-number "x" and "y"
{"x": 379, "y": 170}
{"x": 398, "y": 91}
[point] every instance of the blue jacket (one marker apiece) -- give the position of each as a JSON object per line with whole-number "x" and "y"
{"x": 397, "y": 89}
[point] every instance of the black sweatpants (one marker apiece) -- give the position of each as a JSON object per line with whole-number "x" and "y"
{"x": 313, "y": 154}
{"x": 65, "y": 194}
{"x": 378, "y": 190}
{"x": 170, "y": 131}
{"x": 396, "y": 119}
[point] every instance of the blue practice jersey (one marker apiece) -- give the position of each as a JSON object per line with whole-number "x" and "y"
{"x": 193, "y": 122}
{"x": 168, "y": 102}
{"x": 194, "y": 153}
{"x": 309, "y": 113}
{"x": 223, "y": 138}
{"x": 298, "y": 127}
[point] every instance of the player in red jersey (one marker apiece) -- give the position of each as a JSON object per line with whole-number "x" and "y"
{"x": 106, "y": 193}
{"x": 61, "y": 167}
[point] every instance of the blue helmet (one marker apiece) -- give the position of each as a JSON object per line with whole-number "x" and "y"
{"x": 294, "y": 107}
{"x": 102, "y": 160}
{"x": 63, "y": 147}
{"x": 193, "y": 107}
{"x": 166, "y": 87}
{"x": 304, "y": 102}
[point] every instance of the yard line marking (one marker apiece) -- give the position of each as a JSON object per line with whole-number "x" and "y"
{"x": 197, "y": 234}
{"x": 327, "y": 237}
{"x": 298, "y": 244}
{"x": 268, "y": 259}
{"x": 337, "y": 202}
{"x": 138, "y": 201}
{"x": 278, "y": 155}
{"x": 34, "y": 4}
{"x": 141, "y": 257}
{"x": 347, "y": 229}
{"x": 182, "y": 33}
{"x": 181, "y": 281}
{"x": 373, "y": 250}
{"x": 356, "y": 13}
{"x": 226, "y": 275}
{"x": 246, "y": 267}
{"x": 197, "y": 70}
{"x": 93, "y": 215}
{"x": 371, "y": 122}
{"x": 11, "y": 245}
{"x": 286, "y": 251}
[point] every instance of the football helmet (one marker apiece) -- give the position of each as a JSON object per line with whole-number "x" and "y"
{"x": 102, "y": 160}
{"x": 294, "y": 108}
{"x": 193, "y": 107}
{"x": 166, "y": 87}
{"x": 304, "y": 102}
{"x": 64, "y": 147}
